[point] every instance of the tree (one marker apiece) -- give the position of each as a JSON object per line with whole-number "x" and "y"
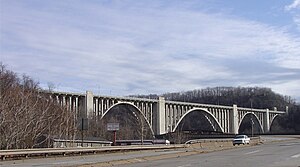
{"x": 27, "y": 113}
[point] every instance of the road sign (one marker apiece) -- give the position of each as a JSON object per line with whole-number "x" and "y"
{"x": 113, "y": 126}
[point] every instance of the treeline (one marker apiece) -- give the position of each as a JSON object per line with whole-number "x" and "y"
{"x": 242, "y": 96}
{"x": 28, "y": 118}
{"x": 256, "y": 97}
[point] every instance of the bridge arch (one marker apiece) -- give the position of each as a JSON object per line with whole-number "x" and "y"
{"x": 139, "y": 112}
{"x": 255, "y": 121}
{"x": 274, "y": 123}
{"x": 214, "y": 122}
{"x": 273, "y": 118}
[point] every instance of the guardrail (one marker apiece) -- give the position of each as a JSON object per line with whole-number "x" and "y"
{"x": 26, "y": 153}
{"x": 208, "y": 143}
{"x": 207, "y": 140}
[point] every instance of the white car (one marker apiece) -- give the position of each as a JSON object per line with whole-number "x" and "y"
{"x": 241, "y": 139}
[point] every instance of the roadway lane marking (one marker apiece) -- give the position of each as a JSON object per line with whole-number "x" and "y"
{"x": 139, "y": 160}
{"x": 185, "y": 165}
{"x": 252, "y": 152}
{"x": 295, "y": 156}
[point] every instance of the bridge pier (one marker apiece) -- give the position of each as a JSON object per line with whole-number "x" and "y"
{"x": 161, "y": 117}
{"x": 266, "y": 121}
{"x": 234, "y": 120}
{"x": 89, "y": 104}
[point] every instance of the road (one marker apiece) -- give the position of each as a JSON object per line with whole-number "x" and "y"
{"x": 282, "y": 153}
{"x": 84, "y": 159}
{"x": 276, "y": 154}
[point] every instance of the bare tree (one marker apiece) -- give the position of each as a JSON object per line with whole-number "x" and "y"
{"x": 27, "y": 114}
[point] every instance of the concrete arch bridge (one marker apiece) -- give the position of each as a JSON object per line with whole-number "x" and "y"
{"x": 164, "y": 116}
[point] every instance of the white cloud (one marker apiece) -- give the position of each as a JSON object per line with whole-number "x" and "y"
{"x": 294, "y": 10}
{"x": 139, "y": 50}
{"x": 296, "y": 20}
{"x": 295, "y": 4}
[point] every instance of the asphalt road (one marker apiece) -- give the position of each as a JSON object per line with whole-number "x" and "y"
{"x": 275, "y": 154}
{"x": 84, "y": 159}
{"x": 281, "y": 153}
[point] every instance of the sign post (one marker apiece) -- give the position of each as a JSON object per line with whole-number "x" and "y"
{"x": 83, "y": 126}
{"x": 114, "y": 127}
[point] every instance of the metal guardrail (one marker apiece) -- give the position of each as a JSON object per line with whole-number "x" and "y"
{"x": 208, "y": 140}
{"x": 254, "y": 140}
{"x": 26, "y": 153}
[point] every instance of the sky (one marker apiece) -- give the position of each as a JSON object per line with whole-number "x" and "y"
{"x": 126, "y": 47}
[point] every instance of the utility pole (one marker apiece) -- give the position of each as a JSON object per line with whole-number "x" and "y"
{"x": 142, "y": 133}
{"x": 115, "y": 137}
{"x": 251, "y": 118}
{"x": 251, "y": 104}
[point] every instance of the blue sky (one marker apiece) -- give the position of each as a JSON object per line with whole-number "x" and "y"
{"x": 140, "y": 47}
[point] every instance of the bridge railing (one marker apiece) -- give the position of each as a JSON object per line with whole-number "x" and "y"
{"x": 199, "y": 104}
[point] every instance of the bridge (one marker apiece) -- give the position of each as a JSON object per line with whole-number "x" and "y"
{"x": 163, "y": 116}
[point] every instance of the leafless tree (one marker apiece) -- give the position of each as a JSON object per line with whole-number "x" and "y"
{"x": 27, "y": 113}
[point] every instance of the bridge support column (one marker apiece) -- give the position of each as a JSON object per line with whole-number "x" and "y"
{"x": 266, "y": 121}
{"x": 89, "y": 104}
{"x": 234, "y": 120}
{"x": 161, "y": 116}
